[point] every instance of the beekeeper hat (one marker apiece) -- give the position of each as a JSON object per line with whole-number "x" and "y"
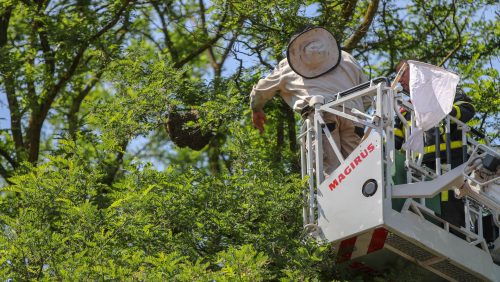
{"x": 313, "y": 52}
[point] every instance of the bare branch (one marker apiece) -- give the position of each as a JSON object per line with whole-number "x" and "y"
{"x": 437, "y": 25}
{"x": 459, "y": 34}
{"x": 237, "y": 77}
{"x": 451, "y": 53}
{"x": 148, "y": 36}
{"x": 198, "y": 51}
{"x": 388, "y": 33}
{"x": 228, "y": 49}
{"x": 211, "y": 54}
{"x": 168, "y": 41}
{"x": 363, "y": 28}
{"x": 218, "y": 35}
{"x": 257, "y": 51}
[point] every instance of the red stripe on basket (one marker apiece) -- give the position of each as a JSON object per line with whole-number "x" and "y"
{"x": 378, "y": 240}
{"x": 345, "y": 249}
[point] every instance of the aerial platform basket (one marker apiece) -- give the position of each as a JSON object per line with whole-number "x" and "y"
{"x": 354, "y": 209}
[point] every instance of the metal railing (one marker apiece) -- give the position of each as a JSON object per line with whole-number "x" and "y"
{"x": 313, "y": 129}
{"x": 380, "y": 119}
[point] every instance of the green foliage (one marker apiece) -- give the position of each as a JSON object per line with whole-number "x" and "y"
{"x": 94, "y": 189}
{"x": 159, "y": 225}
{"x": 483, "y": 86}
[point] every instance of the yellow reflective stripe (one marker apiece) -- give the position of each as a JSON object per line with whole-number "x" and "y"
{"x": 398, "y": 132}
{"x": 459, "y": 113}
{"x": 442, "y": 147}
{"x": 444, "y": 196}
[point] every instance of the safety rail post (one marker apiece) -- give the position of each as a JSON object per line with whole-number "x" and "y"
{"x": 318, "y": 130}
{"x": 411, "y": 153}
{"x": 303, "y": 170}
{"x": 387, "y": 124}
{"x": 310, "y": 171}
{"x": 437, "y": 151}
{"x": 448, "y": 144}
{"x": 464, "y": 145}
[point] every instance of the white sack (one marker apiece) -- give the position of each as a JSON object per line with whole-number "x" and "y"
{"x": 432, "y": 90}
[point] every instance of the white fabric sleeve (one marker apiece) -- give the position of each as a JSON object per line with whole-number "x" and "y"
{"x": 265, "y": 90}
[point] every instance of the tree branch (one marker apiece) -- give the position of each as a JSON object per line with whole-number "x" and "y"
{"x": 40, "y": 27}
{"x": 7, "y": 156}
{"x": 198, "y": 51}
{"x": 4, "y": 25}
{"x": 15, "y": 116}
{"x": 363, "y": 28}
{"x": 168, "y": 42}
{"x": 227, "y": 50}
{"x": 14, "y": 108}
{"x": 77, "y": 102}
{"x": 389, "y": 36}
{"x": 148, "y": 36}
{"x": 451, "y": 53}
{"x": 348, "y": 9}
{"x": 39, "y": 114}
{"x": 483, "y": 121}
{"x": 459, "y": 34}
{"x": 218, "y": 35}
{"x": 48, "y": 54}
{"x": 211, "y": 55}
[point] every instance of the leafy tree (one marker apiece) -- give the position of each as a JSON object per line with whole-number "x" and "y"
{"x": 95, "y": 189}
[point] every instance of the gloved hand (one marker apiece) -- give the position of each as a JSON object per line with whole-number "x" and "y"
{"x": 259, "y": 119}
